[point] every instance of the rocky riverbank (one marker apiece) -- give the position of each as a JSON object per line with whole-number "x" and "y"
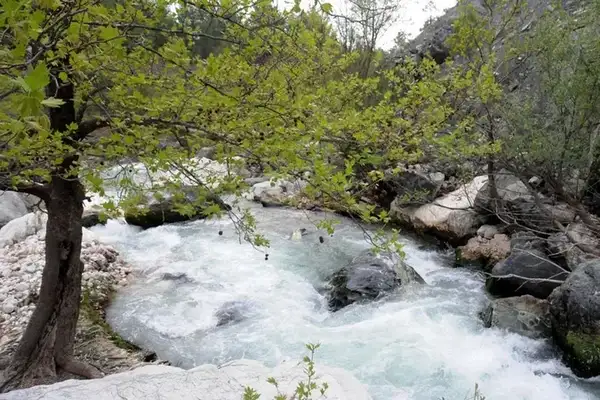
{"x": 21, "y": 265}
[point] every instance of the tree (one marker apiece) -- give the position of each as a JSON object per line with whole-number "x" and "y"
{"x": 543, "y": 123}
{"x": 71, "y": 67}
{"x": 361, "y": 25}
{"x": 277, "y": 92}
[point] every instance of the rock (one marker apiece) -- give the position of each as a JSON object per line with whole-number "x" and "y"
{"x": 509, "y": 187}
{"x": 525, "y": 272}
{"x": 367, "y": 277}
{"x": 256, "y": 180}
{"x": 226, "y": 382}
{"x": 482, "y": 251}
{"x": 9, "y": 306}
{"x": 517, "y": 205}
{"x": 91, "y": 217}
{"x": 413, "y": 185}
{"x": 157, "y": 213}
{"x": 526, "y": 241}
{"x": 232, "y": 311}
{"x": 487, "y": 231}
{"x": 562, "y": 249}
{"x": 575, "y": 313}
{"x": 524, "y": 315}
{"x": 179, "y": 277}
{"x": 277, "y": 193}
{"x": 12, "y": 206}
{"x": 432, "y": 42}
{"x": 298, "y": 233}
{"x": 450, "y": 217}
{"x": 18, "y": 229}
{"x": 207, "y": 152}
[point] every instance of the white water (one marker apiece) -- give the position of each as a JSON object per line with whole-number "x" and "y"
{"x": 421, "y": 343}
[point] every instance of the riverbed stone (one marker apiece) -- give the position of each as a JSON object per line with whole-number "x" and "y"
{"x": 525, "y": 315}
{"x": 367, "y": 277}
{"x": 575, "y": 313}
{"x": 483, "y": 252}
{"x": 525, "y": 271}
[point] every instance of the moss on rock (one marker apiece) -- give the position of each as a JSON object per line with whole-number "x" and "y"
{"x": 583, "y": 351}
{"x": 92, "y": 308}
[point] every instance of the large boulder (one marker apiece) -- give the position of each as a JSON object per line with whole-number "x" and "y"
{"x": 166, "y": 212}
{"x": 575, "y": 313}
{"x": 233, "y": 311}
{"x": 415, "y": 184}
{"x": 516, "y": 205}
{"x": 12, "y": 206}
{"x": 226, "y": 382}
{"x": 369, "y": 276}
{"x": 524, "y": 315}
{"x": 568, "y": 247}
{"x": 19, "y": 229}
{"x": 482, "y": 251}
{"x": 276, "y": 192}
{"x": 525, "y": 272}
{"x": 451, "y": 217}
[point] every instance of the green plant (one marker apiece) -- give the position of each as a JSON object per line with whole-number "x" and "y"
{"x": 305, "y": 388}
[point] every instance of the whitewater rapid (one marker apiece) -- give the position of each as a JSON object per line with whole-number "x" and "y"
{"x": 420, "y": 343}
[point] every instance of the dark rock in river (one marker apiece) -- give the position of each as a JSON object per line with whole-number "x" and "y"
{"x": 232, "y": 311}
{"x": 575, "y": 313}
{"x": 525, "y": 272}
{"x": 367, "y": 277}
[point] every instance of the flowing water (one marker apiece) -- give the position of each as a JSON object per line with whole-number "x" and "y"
{"x": 420, "y": 343}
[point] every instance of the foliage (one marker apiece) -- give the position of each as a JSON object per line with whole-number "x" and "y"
{"x": 278, "y": 95}
{"x": 554, "y": 134}
{"x": 304, "y": 390}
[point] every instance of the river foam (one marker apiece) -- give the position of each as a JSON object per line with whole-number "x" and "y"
{"x": 419, "y": 343}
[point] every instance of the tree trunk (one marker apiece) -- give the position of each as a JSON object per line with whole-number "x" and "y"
{"x": 48, "y": 340}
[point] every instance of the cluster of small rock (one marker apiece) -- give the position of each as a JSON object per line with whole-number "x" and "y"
{"x": 21, "y": 266}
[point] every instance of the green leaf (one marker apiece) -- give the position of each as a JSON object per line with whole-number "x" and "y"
{"x": 109, "y": 32}
{"x": 38, "y": 78}
{"x": 52, "y": 102}
{"x": 327, "y": 8}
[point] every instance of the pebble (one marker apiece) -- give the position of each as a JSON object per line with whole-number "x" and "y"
{"x": 8, "y": 307}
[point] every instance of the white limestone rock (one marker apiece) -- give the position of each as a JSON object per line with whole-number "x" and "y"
{"x": 452, "y": 216}
{"x": 18, "y": 229}
{"x": 225, "y": 382}
{"x": 12, "y": 205}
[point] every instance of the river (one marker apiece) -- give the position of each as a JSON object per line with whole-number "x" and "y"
{"x": 421, "y": 342}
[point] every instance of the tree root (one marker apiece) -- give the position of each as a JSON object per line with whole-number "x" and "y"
{"x": 79, "y": 368}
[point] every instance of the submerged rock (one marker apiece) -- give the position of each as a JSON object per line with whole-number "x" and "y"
{"x": 367, "y": 277}
{"x": 232, "y": 311}
{"x": 178, "y": 277}
{"x": 524, "y": 315}
{"x": 525, "y": 272}
{"x": 226, "y": 382}
{"x": 575, "y": 313}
